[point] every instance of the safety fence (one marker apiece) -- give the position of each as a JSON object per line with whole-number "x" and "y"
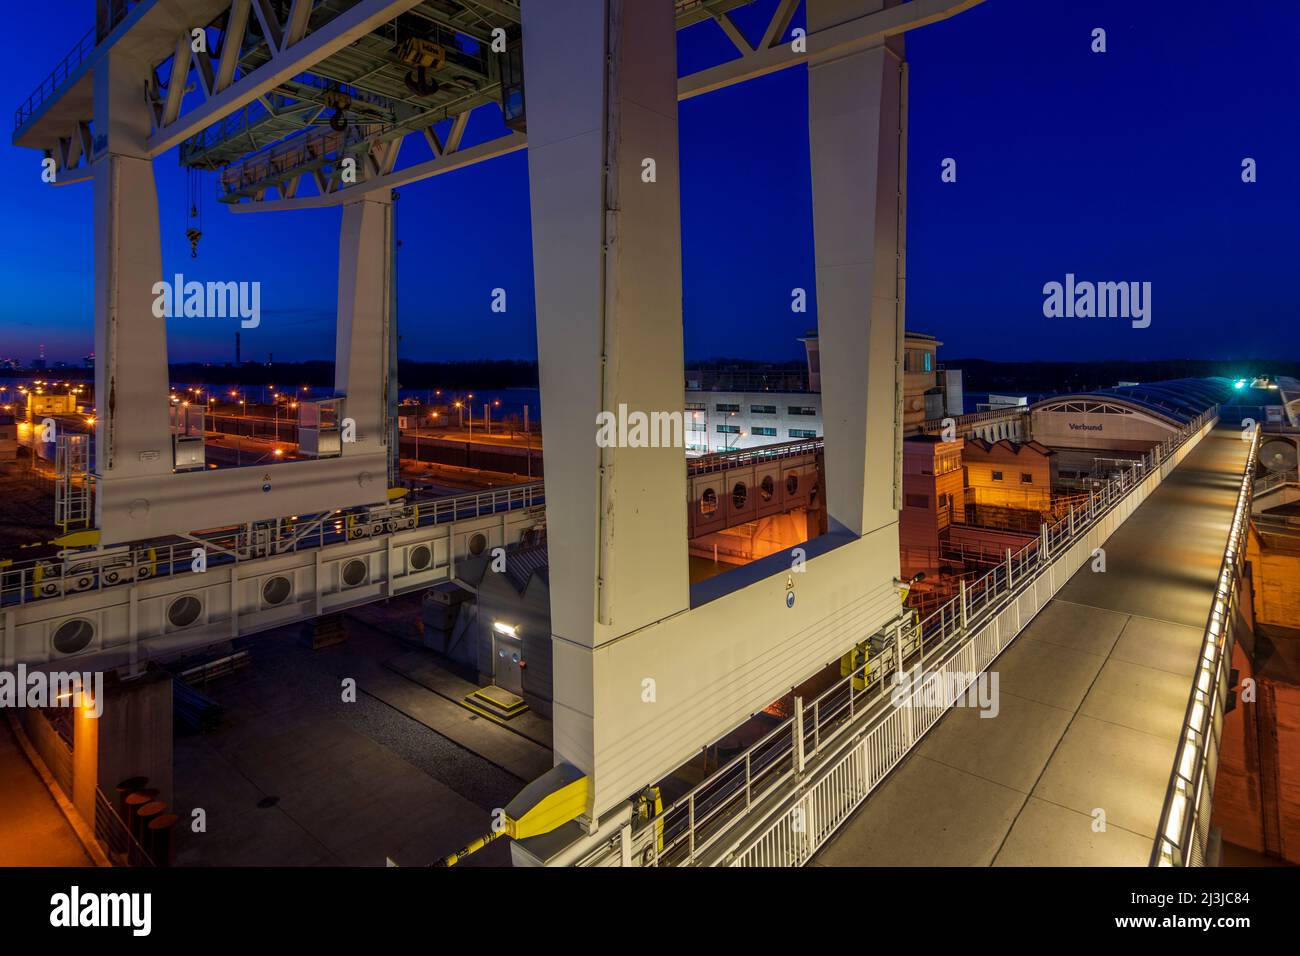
{"x": 75, "y": 572}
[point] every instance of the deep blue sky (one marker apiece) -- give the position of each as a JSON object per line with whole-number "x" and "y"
{"x": 1122, "y": 166}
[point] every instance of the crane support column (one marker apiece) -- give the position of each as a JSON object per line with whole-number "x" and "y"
{"x": 857, "y": 134}
{"x": 362, "y": 345}
{"x": 132, "y": 429}
{"x": 603, "y": 171}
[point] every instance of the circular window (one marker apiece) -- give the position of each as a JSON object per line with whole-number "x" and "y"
{"x": 767, "y": 488}
{"x": 739, "y": 495}
{"x": 708, "y": 501}
{"x": 421, "y": 557}
{"x": 276, "y": 590}
{"x": 72, "y": 636}
{"x": 792, "y": 482}
{"x": 184, "y": 611}
{"x": 477, "y": 544}
{"x": 354, "y": 572}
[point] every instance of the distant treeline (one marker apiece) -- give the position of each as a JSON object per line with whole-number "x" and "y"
{"x": 978, "y": 375}
{"x": 484, "y": 373}
{"x": 983, "y": 375}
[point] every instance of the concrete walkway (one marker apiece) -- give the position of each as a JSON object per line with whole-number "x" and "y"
{"x": 1073, "y": 769}
{"x": 33, "y": 830}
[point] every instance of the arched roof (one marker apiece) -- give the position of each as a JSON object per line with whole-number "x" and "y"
{"x": 1177, "y": 400}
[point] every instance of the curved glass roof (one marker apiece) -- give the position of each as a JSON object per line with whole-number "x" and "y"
{"x": 1179, "y": 400}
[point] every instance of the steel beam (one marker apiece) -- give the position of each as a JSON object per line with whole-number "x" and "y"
{"x": 850, "y": 36}
{"x": 511, "y": 143}
{"x": 855, "y": 34}
{"x": 340, "y": 32}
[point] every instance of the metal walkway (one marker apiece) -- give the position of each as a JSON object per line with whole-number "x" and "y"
{"x": 1092, "y": 698}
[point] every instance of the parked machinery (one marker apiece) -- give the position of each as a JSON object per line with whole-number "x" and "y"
{"x": 379, "y": 519}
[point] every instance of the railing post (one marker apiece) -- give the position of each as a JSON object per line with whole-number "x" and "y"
{"x": 964, "y": 609}
{"x": 1042, "y": 543}
{"x": 1071, "y": 521}
{"x": 690, "y": 831}
{"x": 749, "y": 780}
{"x": 798, "y": 738}
{"x": 1008, "y": 569}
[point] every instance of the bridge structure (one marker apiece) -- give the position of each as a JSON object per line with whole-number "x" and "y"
{"x": 647, "y": 667}
{"x": 850, "y": 778}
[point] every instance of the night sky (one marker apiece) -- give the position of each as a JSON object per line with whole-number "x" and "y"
{"x": 1117, "y": 166}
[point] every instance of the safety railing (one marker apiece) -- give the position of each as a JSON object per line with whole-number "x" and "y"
{"x": 932, "y": 425}
{"x": 1185, "y": 818}
{"x": 954, "y": 639}
{"x": 1276, "y": 479}
{"x": 112, "y": 831}
{"x": 112, "y": 13}
{"x": 55, "y": 81}
{"x": 721, "y": 461}
{"x": 47, "y": 578}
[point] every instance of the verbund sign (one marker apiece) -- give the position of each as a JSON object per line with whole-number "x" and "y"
{"x": 1077, "y": 427}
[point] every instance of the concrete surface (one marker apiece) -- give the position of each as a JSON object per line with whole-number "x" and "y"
{"x": 33, "y": 830}
{"x": 293, "y": 775}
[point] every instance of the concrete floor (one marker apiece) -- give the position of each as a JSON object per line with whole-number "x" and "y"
{"x": 353, "y": 783}
{"x": 33, "y": 830}
{"x": 1092, "y": 695}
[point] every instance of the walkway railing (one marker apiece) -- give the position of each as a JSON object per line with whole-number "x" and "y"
{"x": 109, "y": 18}
{"x": 729, "y": 818}
{"x": 722, "y": 460}
{"x": 1275, "y": 480}
{"x": 1185, "y": 819}
{"x": 39, "y": 579}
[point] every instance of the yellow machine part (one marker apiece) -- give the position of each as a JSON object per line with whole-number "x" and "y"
{"x": 553, "y": 810}
{"x": 650, "y": 806}
{"x": 854, "y": 659}
{"x": 417, "y": 52}
{"x": 78, "y": 539}
{"x": 395, "y": 494}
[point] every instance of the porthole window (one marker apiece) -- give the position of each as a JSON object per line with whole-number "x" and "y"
{"x": 421, "y": 557}
{"x": 767, "y": 488}
{"x": 792, "y": 482}
{"x": 354, "y": 572}
{"x": 708, "y": 502}
{"x": 739, "y": 495}
{"x": 276, "y": 590}
{"x": 72, "y": 636}
{"x": 184, "y": 611}
{"x": 477, "y": 544}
